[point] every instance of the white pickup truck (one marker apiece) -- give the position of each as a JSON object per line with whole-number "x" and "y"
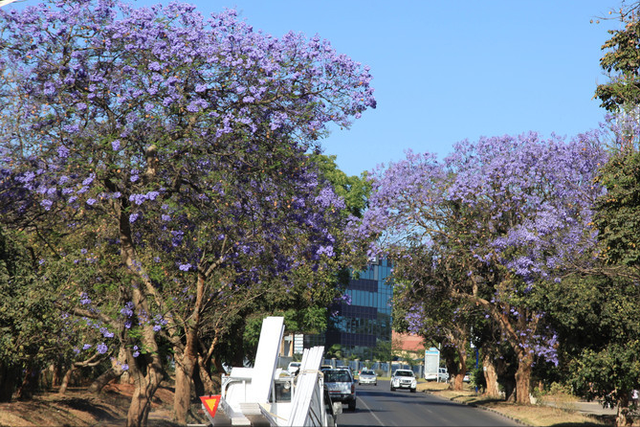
{"x": 442, "y": 376}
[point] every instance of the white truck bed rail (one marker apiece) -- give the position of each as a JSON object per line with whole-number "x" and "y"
{"x": 250, "y": 398}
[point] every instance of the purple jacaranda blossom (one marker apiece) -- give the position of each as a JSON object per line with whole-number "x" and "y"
{"x": 84, "y": 299}
{"x": 63, "y": 151}
{"x": 138, "y": 199}
{"x": 231, "y": 114}
{"x": 106, "y": 333}
{"x": 127, "y": 310}
{"x": 46, "y": 204}
{"x": 89, "y": 180}
{"x": 512, "y": 209}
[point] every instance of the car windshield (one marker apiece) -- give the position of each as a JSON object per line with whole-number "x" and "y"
{"x": 368, "y": 373}
{"x": 404, "y": 373}
{"x": 337, "y": 377}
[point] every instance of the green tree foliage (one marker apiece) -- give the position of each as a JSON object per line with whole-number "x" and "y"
{"x": 622, "y": 62}
{"x": 354, "y": 190}
{"x": 617, "y": 215}
{"x": 599, "y": 336}
{"x": 31, "y": 333}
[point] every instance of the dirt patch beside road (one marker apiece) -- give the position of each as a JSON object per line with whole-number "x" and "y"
{"x": 79, "y": 408}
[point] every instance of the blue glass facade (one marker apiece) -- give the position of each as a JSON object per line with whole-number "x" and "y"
{"x": 361, "y": 325}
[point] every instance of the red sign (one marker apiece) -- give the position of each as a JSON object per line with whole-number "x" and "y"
{"x": 211, "y": 403}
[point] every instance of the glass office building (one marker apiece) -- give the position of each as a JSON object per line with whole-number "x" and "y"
{"x": 363, "y": 323}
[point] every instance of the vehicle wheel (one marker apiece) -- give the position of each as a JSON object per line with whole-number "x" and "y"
{"x": 352, "y": 405}
{"x": 413, "y": 390}
{"x": 376, "y": 383}
{"x": 392, "y": 389}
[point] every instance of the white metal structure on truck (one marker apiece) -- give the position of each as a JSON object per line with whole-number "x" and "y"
{"x": 264, "y": 395}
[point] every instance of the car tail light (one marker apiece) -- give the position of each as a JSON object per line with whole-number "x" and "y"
{"x": 353, "y": 388}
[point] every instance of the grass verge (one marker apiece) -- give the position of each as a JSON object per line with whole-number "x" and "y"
{"x": 560, "y": 415}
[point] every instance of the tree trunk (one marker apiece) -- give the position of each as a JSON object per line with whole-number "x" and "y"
{"x": 490, "y": 376}
{"x": 56, "y": 374}
{"x": 104, "y": 379}
{"x": 7, "y": 382}
{"x": 186, "y": 359}
{"x": 456, "y": 360}
{"x": 66, "y": 379}
{"x": 29, "y": 381}
{"x": 211, "y": 386}
{"x": 623, "y": 417}
{"x": 458, "y": 382}
{"x": 523, "y": 378}
{"x": 147, "y": 379}
{"x": 114, "y": 372}
{"x": 185, "y": 364}
{"x": 146, "y": 370}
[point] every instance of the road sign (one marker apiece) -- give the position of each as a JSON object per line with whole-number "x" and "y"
{"x": 211, "y": 404}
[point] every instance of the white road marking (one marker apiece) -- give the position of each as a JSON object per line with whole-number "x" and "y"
{"x": 374, "y": 415}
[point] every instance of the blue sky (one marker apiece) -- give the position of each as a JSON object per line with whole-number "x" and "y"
{"x": 449, "y": 70}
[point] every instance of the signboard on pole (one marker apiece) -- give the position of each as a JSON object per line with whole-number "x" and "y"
{"x": 431, "y": 363}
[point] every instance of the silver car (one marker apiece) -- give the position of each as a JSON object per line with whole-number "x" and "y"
{"x": 368, "y": 376}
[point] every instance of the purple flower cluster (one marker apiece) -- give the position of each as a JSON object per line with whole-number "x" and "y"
{"x": 179, "y": 136}
{"x": 514, "y": 209}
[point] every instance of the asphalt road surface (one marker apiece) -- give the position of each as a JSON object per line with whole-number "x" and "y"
{"x": 377, "y": 406}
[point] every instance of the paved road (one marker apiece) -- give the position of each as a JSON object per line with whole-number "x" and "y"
{"x": 377, "y": 406}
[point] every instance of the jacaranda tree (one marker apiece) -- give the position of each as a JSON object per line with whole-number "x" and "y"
{"x": 508, "y": 213}
{"x": 168, "y": 152}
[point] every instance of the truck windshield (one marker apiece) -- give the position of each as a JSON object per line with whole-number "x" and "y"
{"x": 337, "y": 377}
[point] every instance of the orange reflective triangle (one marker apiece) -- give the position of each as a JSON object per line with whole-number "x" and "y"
{"x": 211, "y": 404}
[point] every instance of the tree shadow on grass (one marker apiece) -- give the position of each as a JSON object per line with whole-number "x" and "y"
{"x": 92, "y": 407}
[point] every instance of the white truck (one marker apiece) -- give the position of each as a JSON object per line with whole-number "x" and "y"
{"x": 266, "y": 395}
